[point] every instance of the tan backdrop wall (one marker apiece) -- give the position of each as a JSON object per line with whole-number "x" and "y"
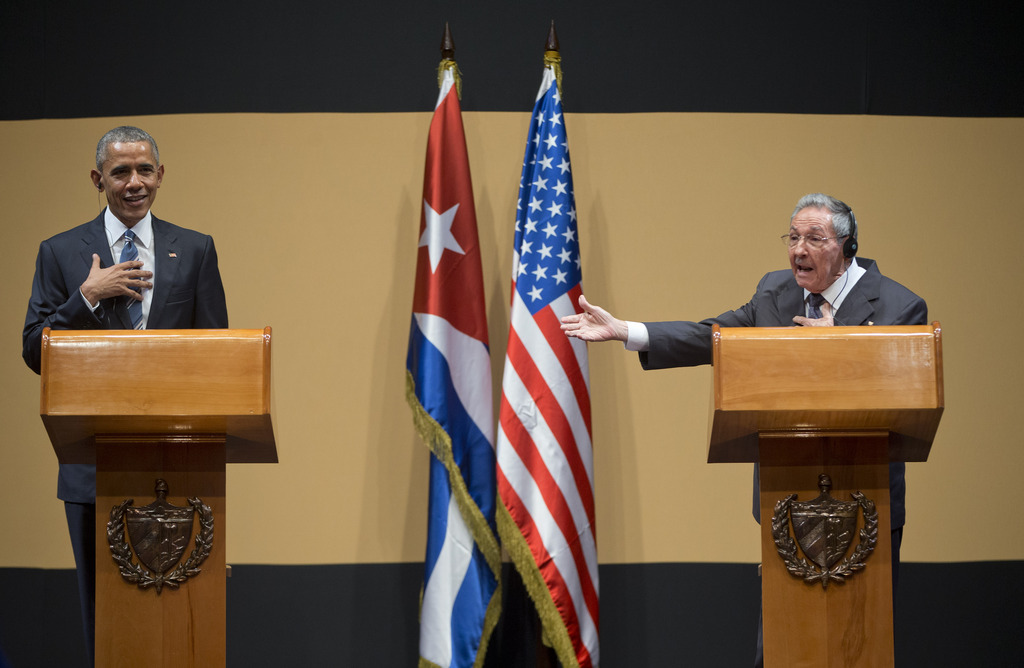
{"x": 316, "y": 220}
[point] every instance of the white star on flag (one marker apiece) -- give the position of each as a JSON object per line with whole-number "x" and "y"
{"x": 438, "y": 234}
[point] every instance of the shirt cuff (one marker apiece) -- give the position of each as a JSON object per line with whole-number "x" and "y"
{"x": 638, "y": 339}
{"x": 91, "y": 307}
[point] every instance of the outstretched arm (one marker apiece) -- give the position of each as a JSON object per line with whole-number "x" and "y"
{"x": 594, "y": 324}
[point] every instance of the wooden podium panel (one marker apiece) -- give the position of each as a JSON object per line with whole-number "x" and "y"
{"x": 849, "y": 624}
{"x": 818, "y": 379}
{"x": 843, "y": 401}
{"x": 181, "y": 627}
{"x": 165, "y": 384}
{"x": 176, "y": 405}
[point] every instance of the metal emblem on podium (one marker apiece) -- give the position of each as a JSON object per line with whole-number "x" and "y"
{"x": 160, "y": 533}
{"x": 824, "y": 528}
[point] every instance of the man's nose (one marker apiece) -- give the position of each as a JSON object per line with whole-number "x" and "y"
{"x": 135, "y": 181}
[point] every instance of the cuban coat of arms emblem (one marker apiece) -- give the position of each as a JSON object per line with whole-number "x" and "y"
{"x": 159, "y": 535}
{"x": 824, "y": 528}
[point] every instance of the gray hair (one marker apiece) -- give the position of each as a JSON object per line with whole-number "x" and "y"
{"x": 843, "y": 222}
{"x": 123, "y": 134}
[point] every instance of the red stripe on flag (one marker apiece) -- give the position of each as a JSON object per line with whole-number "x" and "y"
{"x": 554, "y": 499}
{"x": 526, "y": 449}
{"x": 555, "y": 418}
{"x": 549, "y": 570}
{"x": 551, "y": 326}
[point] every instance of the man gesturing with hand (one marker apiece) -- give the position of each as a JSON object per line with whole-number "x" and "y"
{"x": 125, "y": 269}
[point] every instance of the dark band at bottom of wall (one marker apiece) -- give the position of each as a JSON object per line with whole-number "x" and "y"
{"x": 651, "y": 615}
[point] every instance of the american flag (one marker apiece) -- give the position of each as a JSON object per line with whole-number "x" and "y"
{"x": 449, "y": 389}
{"x": 545, "y": 459}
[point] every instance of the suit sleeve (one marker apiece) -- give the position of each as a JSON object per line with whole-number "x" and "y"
{"x": 211, "y": 311}
{"x": 683, "y": 343}
{"x": 897, "y": 305}
{"x": 54, "y": 304}
{"x": 916, "y": 313}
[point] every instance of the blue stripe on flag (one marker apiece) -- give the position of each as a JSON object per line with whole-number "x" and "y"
{"x": 440, "y": 493}
{"x": 435, "y": 391}
{"x": 476, "y": 586}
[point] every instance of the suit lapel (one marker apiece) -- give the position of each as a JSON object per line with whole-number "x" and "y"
{"x": 167, "y": 257}
{"x": 859, "y": 306}
{"x": 791, "y": 303}
{"x": 95, "y": 241}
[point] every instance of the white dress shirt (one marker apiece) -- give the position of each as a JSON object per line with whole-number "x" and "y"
{"x": 837, "y": 292}
{"x": 144, "y": 242}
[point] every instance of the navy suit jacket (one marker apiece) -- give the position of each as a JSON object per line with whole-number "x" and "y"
{"x": 875, "y": 299}
{"x": 187, "y": 294}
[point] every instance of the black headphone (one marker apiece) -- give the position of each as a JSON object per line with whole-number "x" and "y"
{"x": 850, "y": 245}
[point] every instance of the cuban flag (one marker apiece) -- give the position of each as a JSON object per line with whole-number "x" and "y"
{"x": 545, "y": 458}
{"x": 449, "y": 389}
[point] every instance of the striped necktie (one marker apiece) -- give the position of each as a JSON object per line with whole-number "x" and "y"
{"x": 129, "y": 253}
{"x": 815, "y": 300}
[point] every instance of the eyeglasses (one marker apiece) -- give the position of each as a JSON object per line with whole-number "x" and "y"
{"x": 813, "y": 240}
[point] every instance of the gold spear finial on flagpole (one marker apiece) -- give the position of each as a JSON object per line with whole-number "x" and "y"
{"x": 447, "y": 44}
{"x": 448, "y": 61}
{"x": 552, "y": 57}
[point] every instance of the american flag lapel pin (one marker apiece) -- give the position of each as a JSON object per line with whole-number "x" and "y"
{"x": 172, "y": 254}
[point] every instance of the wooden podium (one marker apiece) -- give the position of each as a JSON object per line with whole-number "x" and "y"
{"x": 844, "y": 401}
{"x": 170, "y": 404}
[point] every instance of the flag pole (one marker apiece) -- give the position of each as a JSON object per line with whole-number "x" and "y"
{"x": 448, "y": 61}
{"x": 448, "y": 388}
{"x": 552, "y": 56}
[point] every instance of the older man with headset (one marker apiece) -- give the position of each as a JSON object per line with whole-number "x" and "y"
{"x": 826, "y": 285}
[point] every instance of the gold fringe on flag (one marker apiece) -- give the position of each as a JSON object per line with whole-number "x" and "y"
{"x": 555, "y": 634}
{"x": 553, "y": 59}
{"x": 449, "y": 64}
{"x": 440, "y": 443}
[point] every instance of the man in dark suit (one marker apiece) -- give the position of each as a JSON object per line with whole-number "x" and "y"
{"x": 78, "y": 285}
{"x": 826, "y": 285}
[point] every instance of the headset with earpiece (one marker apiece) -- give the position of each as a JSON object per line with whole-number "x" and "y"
{"x": 850, "y": 245}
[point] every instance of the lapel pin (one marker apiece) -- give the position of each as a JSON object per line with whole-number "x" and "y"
{"x": 172, "y": 255}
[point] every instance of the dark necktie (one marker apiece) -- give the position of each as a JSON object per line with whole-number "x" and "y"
{"x": 815, "y": 300}
{"x": 129, "y": 253}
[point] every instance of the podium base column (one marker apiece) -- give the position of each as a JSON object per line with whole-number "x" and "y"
{"x": 182, "y": 626}
{"x": 848, "y": 623}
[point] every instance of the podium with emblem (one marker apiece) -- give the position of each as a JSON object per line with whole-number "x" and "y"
{"x": 160, "y": 413}
{"x": 823, "y": 410}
